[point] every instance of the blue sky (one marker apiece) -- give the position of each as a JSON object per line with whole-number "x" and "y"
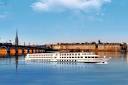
{"x": 51, "y": 21}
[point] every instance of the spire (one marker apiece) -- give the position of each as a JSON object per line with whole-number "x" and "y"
{"x": 16, "y": 39}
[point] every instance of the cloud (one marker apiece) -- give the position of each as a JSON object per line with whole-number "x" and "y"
{"x": 55, "y": 5}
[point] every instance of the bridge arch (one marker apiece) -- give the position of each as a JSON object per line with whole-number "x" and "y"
{"x": 3, "y": 51}
{"x": 25, "y": 50}
{"x": 20, "y": 51}
{"x": 3, "y": 47}
{"x": 30, "y": 50}
{"x": 12, "y": 51}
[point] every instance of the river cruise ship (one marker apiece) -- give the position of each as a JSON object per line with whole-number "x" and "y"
{"x": 85, "y": 57}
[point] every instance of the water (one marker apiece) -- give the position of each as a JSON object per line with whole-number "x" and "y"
{"x": 15, "y": 71}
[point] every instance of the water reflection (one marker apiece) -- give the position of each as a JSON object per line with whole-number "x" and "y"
{"x": 116, "y": 56}
{"x": 14, "y": 70}
{"x": 19, "y": 60}
{"x": 111, "y": 54}
{"x": 61, "y": 67}
{"x": 11, "y": 60}
{"x": 16, "y": 60}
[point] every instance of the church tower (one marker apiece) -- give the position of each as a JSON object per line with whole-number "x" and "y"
{"x": 16, "y": 39}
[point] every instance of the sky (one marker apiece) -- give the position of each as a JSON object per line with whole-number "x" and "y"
{"x": 53, "y": 21}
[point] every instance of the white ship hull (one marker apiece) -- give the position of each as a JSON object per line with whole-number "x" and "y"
{"x": 81, "y": 57}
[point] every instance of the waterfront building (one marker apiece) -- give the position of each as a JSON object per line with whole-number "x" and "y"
{"x": 104, "y": 47}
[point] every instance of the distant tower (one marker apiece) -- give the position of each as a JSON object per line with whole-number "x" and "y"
{"x": 16, "y": 39}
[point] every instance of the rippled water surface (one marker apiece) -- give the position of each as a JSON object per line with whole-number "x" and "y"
{"x": 15, "y": 71}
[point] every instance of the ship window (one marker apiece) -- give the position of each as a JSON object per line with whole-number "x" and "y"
{"x": 72, "y": 57}
{"x": 81, "y": 57}
{"x": 86, "y": 57}
{"x": 89, "y": 57}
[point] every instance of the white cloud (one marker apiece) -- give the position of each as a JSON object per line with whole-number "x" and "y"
{"x": 54, "y": 5}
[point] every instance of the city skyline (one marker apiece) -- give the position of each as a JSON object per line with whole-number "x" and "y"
{"x": 52, "y": 21}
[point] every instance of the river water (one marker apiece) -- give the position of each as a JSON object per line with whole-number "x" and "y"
{"x": 15, "y": 71}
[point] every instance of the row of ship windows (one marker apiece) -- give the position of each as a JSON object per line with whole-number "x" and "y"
{"x": 70, "y": 54}
{"x": 42, "y": 55}
{"x": 79, "y": 57}
{"x": 64, "y": 54}
{"x": 39, "y": 57}
{"x": 63, "y": 57}
{"x": 40, "y": 60}
{"x": 57, "y": 60}
{"x": 68, "y": 60}
{"x": 56, "y": 55}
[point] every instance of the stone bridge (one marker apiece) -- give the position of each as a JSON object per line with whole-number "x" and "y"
{"x": 8, "y": 48}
